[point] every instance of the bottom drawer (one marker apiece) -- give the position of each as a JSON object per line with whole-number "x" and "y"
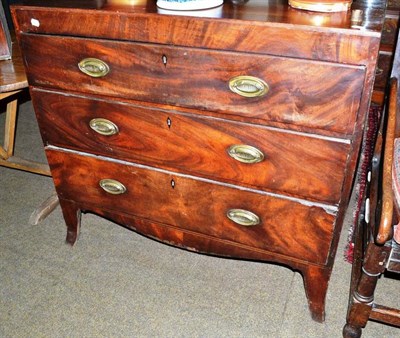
{"x": 259, "y": 220}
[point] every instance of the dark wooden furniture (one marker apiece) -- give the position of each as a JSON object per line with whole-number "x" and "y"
{"x": 375, "y": 249}
{"x": 12, "y": 82}
{"x": 235, "y": 134}
{"x": 386, "y": 51}
{"x": 376, "y": 240}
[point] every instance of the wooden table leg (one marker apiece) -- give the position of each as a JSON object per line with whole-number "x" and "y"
{"x": 12, "y": 82}
{"x": 11, "y": 121}
{"x": 7, "y": 149}
{"x": 7, "y": 158}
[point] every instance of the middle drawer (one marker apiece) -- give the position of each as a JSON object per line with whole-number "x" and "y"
{"x": 265, "y": 158}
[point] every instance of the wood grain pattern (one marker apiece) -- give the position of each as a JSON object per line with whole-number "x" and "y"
{"x": 198, "y": 206}
{"x": 322, "y": 70}
{"x": 294, "y": 164}
{"x": 301, "y": 92}
{"x": 248, "y": 30}
{"x": 385, "y": 228}
{"x": 385, "y": 314}
{"x": 13, "y": 76}
{"x": 374, "y": 248}
{"x": 315, "y": 277}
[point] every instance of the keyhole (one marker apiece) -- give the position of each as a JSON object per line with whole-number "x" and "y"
{"x": 164, "y": 60}
{"x": 169, "y": 122}
{"x": 173, "y": 184}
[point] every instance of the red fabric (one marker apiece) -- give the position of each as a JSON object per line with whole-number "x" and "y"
{"x": 362, "y": 173}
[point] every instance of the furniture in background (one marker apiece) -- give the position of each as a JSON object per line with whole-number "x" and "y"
{"x": 12, "y": 82}
{"x": 375, "y": 249}
{"x": 376, "y": 237}
{"x": 386, "y": 51}
{"x": 235, "y": 134}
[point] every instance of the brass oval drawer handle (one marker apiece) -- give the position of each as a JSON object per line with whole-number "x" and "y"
{"x": 112, "y": 186}
{"x": 103, "y": 126}
{"x": 248, "y": 86}
{"x": 243, "y": 217}
{"x": 245, "y": 153}
{"x": 93, "y": 67}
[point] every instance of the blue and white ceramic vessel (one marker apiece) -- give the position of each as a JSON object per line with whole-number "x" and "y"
{"x": 188, "y": 5}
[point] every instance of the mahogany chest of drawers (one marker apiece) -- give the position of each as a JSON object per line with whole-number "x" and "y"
{"x": 235, "y": 133}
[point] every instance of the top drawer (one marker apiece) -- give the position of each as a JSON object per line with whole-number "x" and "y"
{"x": 299, "y": 93}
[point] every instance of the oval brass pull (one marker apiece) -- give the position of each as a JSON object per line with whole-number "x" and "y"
{"x": 104, "y": 126}
{"x": 245, "y": 153}
{"x": 248, "y": 86}
{"x": 112, "y": 186}
{"x": 93, "y": 67}
{"x": 243, "y": 217}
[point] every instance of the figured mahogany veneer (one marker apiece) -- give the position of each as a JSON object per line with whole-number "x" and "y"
{"x": 167, "y": 97}
{"x": 200, "y": 206}
{"x": 294, "y": 163}
{"x": 301, "y": 92}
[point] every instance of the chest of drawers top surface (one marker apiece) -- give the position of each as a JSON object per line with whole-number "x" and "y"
{"x": 271, "y": 27}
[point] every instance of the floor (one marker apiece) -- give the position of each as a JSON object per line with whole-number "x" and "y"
{"x": 116, "y": 283}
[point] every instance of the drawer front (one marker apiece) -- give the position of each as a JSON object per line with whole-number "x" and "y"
{"x": 271, "y": 159}
{"x": 287, "y": 226}
{"x": 309, "y": 94}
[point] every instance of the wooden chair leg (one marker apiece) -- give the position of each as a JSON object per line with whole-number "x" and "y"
{"x": 360, "y": 306}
